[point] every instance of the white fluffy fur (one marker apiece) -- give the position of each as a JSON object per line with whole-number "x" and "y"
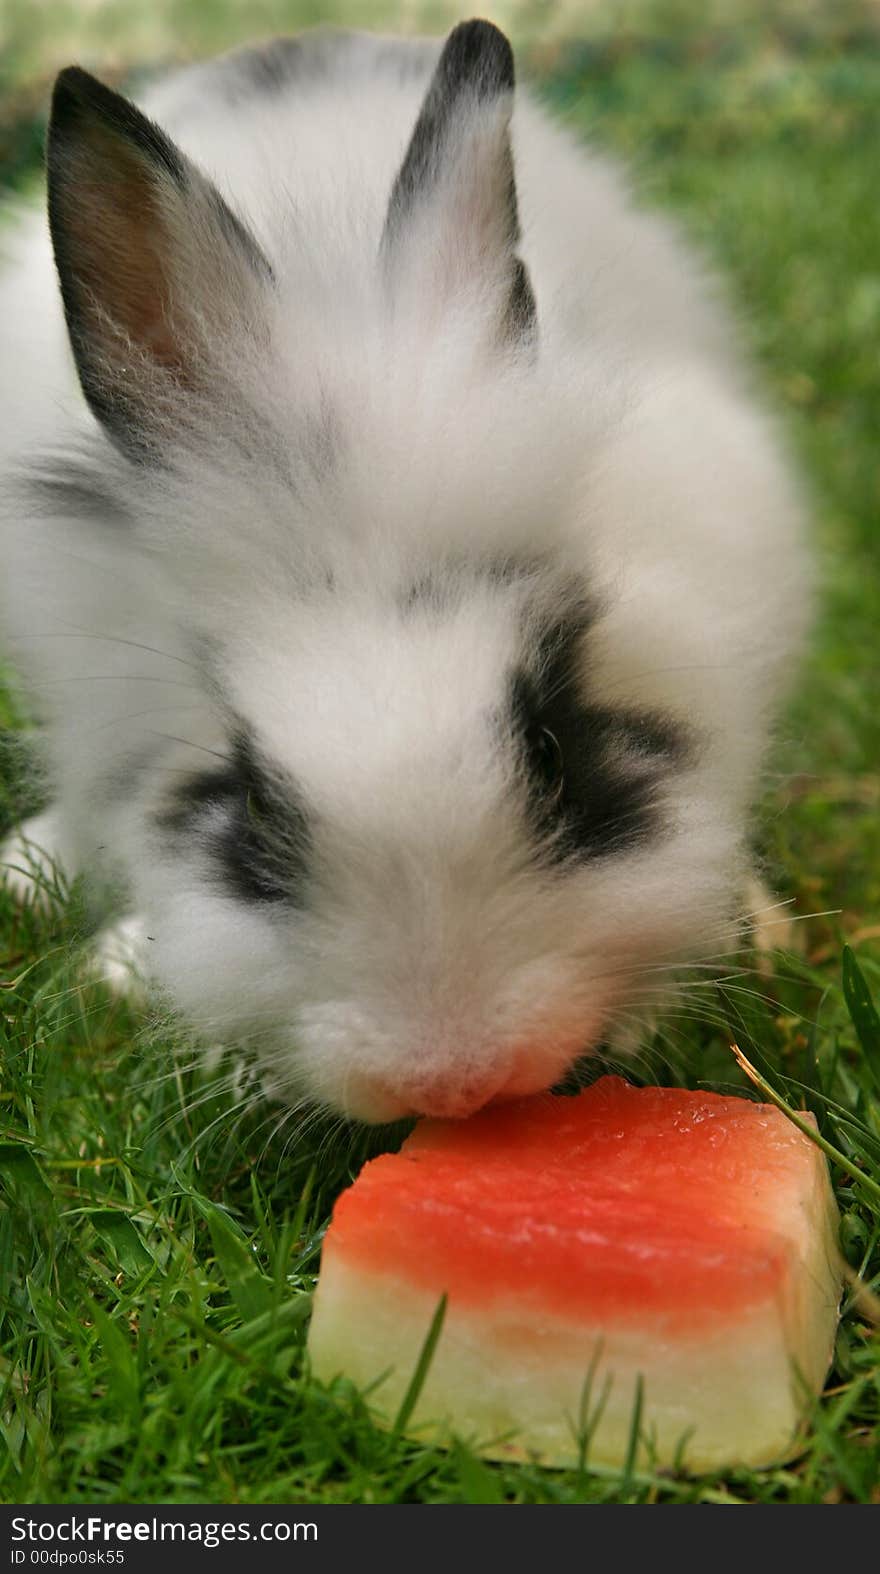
{"x": 435, "y": 965}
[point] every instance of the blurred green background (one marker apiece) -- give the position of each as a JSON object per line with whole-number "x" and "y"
{"x": 150, "y": 1339}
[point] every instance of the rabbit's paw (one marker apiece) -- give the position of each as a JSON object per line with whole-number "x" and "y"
{"x": 31, "y": 863}
{"x": 118, "y": 958}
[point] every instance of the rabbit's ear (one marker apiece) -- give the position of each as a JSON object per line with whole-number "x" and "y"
{"x": 452, "y": 224}
{"x": 152, "y": 263}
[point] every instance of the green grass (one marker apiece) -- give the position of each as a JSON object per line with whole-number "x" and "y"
{"x": 156, "y": 1257}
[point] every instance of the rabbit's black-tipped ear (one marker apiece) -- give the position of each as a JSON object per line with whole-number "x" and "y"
{"x": 452, "y": 225}
{"x": 151, "y": 261}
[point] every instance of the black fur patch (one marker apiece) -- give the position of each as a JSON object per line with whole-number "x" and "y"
{"x": 604, "y": 796}
{"x": 476, "y": 53}
{"x": 255, "y": 830}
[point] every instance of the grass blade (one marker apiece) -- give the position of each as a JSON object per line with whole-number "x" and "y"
{"x": 867, "y": 1182}
{"x": 863, "y": 1012}
{"x": 117, "y": 1232}
{"x": 252, "y": 1293}
{"x": 632, "y": 1446}
{"x": 417, "y": 1381}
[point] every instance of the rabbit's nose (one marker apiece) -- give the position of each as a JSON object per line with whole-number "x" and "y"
{"x": 450, "y": 1098}
{"x": 441, "y": 1097}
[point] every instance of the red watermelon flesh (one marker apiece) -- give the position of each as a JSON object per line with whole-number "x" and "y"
{"x": 684, "y": 1238}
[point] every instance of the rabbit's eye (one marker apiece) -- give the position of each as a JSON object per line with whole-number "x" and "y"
{"x": 256, "y": 812}
{"x": 546, "y": 760}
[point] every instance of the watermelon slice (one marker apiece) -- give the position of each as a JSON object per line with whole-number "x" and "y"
{"x": 684, "y": 1239}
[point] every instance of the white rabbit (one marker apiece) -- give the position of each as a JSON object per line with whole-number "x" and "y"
{"x": 409, "y": 597}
